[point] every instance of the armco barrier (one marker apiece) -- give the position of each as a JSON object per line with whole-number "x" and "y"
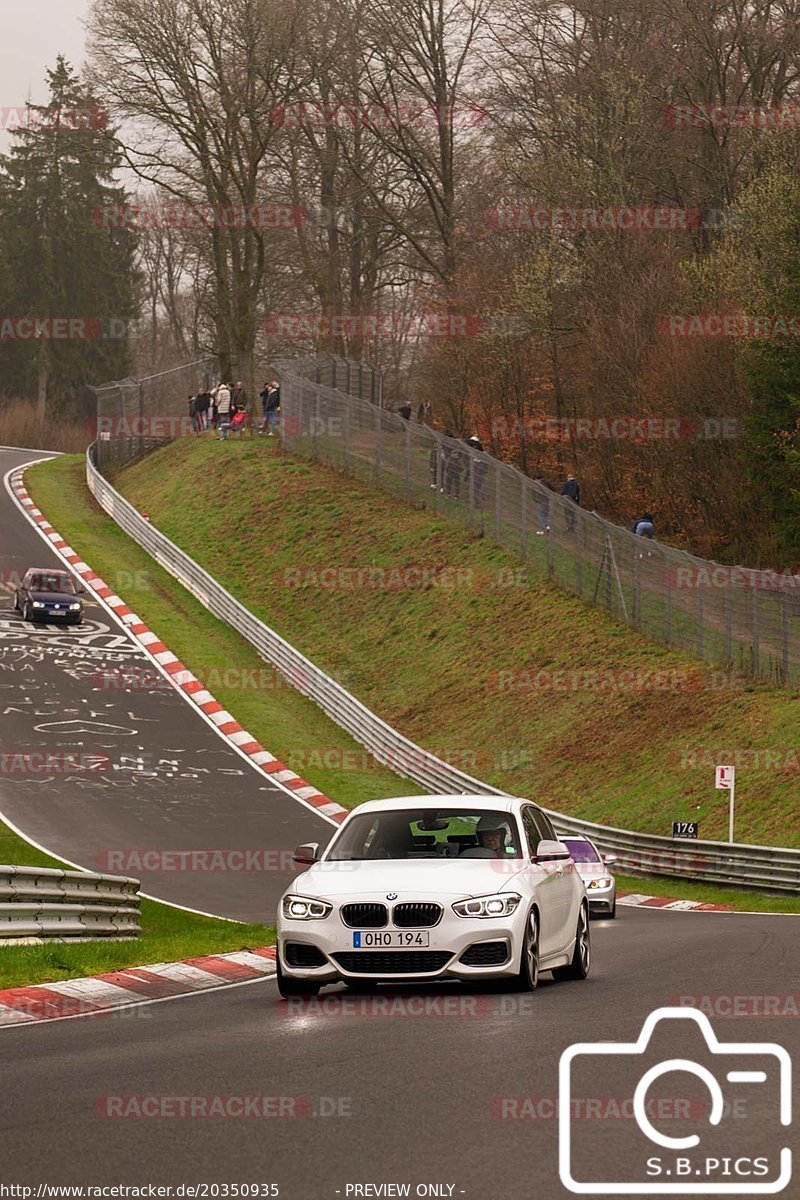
{"x": 748, "y": 866}
{"x": 44, "y": 902}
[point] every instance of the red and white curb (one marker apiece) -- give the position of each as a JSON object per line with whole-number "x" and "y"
{"x": 182, "y": 678}
{"x": 638, "y": 900}
{"x": 131, "y": 986}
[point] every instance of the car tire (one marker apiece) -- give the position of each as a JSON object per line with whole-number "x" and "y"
{"x": 582, "y": 954}
{"x": 613, "y": 912}
{"x": 295, "y": 987}
{"x": 26, "y": 613}
{"x": 528, "y": 978}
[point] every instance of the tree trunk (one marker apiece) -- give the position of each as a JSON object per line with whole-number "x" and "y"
{"x": 42, "y": 377}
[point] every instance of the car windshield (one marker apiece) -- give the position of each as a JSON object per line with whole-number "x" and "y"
{"x": 52, "y": 583}
{"x": 427, "y": 833}
{"x": 581, "y": 851}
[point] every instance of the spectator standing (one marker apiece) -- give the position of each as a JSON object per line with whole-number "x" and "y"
{"x": 222, "y": 402}
{"x": 544, "y": 505}
{"x": 405, "y": 411}
{"x": 572, "y": 491}
{"x": 201, "y": 407}
{"x": 271, "y": 407}
{"x": 424, "y": 413}
{"x": 437, "y": 461}
{"x": 237, "y": 397}
{"x": 263, "y": 396}
{"x": 480, "y": 468}
{"x": 193, "y": 413}
{"x": 452, "y": 469}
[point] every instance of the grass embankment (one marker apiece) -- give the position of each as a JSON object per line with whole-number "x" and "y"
{"x": 430, "y": 659}
{"x": 168, "y": 934}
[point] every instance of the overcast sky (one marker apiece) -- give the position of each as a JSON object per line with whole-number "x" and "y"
{"x": 32, "y": 35}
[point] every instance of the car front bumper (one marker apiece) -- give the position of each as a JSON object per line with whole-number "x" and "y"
{"x": 48, "y": 617}
{"x": 602, "y": 900}
{"x": 449, "y": 941}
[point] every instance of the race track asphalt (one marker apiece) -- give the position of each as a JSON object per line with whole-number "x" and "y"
{"x": 153, "y": 776}
{"x": 462, "y": 1096}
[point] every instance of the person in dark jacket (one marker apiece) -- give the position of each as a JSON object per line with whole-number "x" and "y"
{"x": 201, "y": 404}
{"x": 572, "y": 491}
{"x": 452, "y": 468}
{"x": 271, "y": 405}
{"x": 404, "y": 411}
{"x": 480, "y": 468}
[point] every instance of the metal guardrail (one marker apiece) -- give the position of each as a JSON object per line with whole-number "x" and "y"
{"x": 45, "y": 902}
{"x": 748, "y": 866}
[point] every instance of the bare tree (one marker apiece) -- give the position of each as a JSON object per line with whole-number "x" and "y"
{"x": 198, "y": 82}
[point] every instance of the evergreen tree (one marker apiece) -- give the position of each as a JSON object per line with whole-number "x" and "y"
{"x": 59, "y": 260}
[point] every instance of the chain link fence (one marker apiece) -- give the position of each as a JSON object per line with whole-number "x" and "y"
{"x": 359, "y": 379}
{"x": 135, "y": 416}
{"x": 741, "y": 618}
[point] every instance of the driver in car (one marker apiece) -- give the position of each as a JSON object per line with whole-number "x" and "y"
{"x": 492, "y": 834}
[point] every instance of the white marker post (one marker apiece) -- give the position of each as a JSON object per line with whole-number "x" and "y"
{"x": 726, "y": 778}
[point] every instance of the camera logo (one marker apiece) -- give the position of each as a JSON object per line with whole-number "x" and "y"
{"x": 706, "y": 1152}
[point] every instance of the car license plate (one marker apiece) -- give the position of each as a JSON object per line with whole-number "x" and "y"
{"x": 395, "y": 939}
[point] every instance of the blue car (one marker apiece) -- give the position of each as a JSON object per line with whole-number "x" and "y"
{"x": 52, "y": 596}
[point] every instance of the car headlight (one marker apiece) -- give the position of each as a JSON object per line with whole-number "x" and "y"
{"x": 302, "y": 908}
{"x": 502, "y": 905}
{"x": 38, "y": 604}
{"x": 599, "y": 883}
{"x": 75, "y": 607}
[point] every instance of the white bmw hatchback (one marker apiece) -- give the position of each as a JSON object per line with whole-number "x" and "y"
{"x": 434, "y": 887}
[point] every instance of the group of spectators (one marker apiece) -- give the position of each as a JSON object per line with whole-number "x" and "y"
{"x": 452, "y": 469}
{"x": 224, "y": 409}
{"x": 571, "y": 490}
{"x": 643, "y": 526}
{"x": 218, "y": 408}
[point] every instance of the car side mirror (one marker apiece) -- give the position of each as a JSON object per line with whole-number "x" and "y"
{"x": 307, "y": 854}
{"x": 548, "y": 851}
{"x": 609, "y": 859}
